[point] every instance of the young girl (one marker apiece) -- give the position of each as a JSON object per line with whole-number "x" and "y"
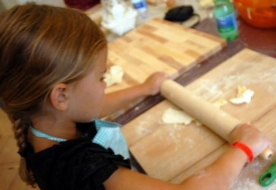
{"x": 52, "y": 62}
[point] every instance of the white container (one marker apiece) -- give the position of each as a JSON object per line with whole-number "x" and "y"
{"x": 121, "y": 25}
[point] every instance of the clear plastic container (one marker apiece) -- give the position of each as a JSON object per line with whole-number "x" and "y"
{"x": 142, "y": 8}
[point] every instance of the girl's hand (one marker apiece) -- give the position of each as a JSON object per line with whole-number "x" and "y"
{"x": 153, "y": 83}
{"x": 252, "y": 137}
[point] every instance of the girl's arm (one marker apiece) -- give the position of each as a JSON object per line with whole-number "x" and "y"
{"x": 120, "y": 99}
{"x": 219, "y": 175}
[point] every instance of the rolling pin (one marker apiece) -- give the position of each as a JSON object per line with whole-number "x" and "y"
{"x": 214, "y": 118}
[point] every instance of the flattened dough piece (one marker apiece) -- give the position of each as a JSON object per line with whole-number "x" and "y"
{"x": 174, "y": 116}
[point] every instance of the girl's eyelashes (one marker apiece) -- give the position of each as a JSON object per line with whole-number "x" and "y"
{"x": 103, "y": 75}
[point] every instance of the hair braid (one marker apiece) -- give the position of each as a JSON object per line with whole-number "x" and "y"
{"x": 20, "y": 129}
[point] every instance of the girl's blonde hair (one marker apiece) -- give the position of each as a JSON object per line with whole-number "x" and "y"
{"x": 41, "y": 46}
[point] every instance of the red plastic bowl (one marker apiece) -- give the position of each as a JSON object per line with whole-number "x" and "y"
{"x": 258, "y": 13}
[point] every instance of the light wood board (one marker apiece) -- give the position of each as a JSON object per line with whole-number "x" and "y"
{"x": 173, "y": 152}
{"x": 159, "y": 45}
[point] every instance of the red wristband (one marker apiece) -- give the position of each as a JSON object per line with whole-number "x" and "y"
{"x": 245, "y": 149}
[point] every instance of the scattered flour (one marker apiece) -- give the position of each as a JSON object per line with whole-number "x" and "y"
{"x": 212, "y": 89}
{"x": 251, "y": 183}
{"x": 143, "y": 128}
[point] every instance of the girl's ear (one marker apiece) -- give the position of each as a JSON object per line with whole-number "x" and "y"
{"x": 59, "y": 97}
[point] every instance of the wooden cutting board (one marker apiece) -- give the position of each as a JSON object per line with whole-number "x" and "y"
{"x": 159, "y": 45}
{"x": 173, "y": 152}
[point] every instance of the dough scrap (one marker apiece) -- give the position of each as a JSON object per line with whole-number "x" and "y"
{"x": 174, "y": 116}
{"x": 114, "y": 76}
{"x": 220, "y": 103}
{"x": 206, "y": 3}
{"x": 244, "y": 95}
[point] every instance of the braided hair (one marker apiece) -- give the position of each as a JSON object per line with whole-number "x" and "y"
{"x": 41, "y": 46}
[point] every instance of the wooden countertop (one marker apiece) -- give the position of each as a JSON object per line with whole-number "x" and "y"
{"x": 260, "y": 40}
{"x": 171, "y": 151}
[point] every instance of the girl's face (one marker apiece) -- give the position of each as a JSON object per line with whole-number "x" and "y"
{"x": 87, "y": 95}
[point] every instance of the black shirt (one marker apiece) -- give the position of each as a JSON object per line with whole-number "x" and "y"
{"x": 75, "y": 164}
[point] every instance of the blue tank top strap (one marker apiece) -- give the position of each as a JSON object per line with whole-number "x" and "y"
{"x": 108, "y": 135}
{"x": 41, "y": 134}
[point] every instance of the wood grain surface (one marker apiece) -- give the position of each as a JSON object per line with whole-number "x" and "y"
{"x": 173, "y": 152}
{"x": 159, "y": 45}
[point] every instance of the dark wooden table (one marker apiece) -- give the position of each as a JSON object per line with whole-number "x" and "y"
{"x": 260, "y": 40}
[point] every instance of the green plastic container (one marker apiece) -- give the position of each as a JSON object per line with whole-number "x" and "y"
{"x": 225, "y": 16}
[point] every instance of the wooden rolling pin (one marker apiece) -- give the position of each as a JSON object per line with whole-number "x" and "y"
{"x": 216, "y": 119}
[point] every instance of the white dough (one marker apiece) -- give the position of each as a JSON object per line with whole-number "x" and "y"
{"x": 173, "y": 116}
{"x": 108, "y": 79}
{"x": 114, "y": 76}
{"x": 206, "y": 3}
{"x": 117, "y": 73}
{"x": 220, "y": 103}
{"x": 244, "y": 95}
